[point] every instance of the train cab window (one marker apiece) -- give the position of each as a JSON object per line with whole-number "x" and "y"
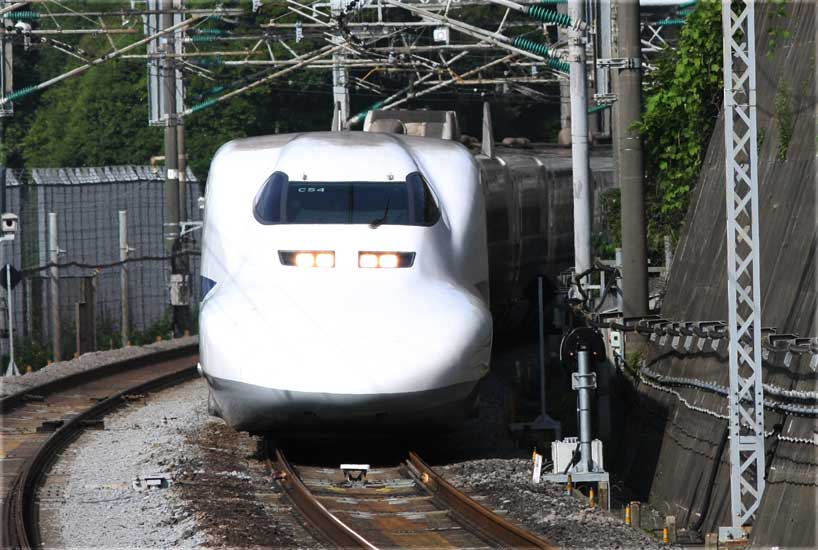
{"x": 281, "y": 201}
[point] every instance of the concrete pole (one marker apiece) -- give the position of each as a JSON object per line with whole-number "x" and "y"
{"x": 605, "y": 51}
{"x": 564, "y": 136}
{"x": 340, "y": 86}
{"x": 668, "y": 244}
{"x": 12, "y": 369}
{"x": 54, "y": 272}
{"x": 182, "y": 170}
{"x": 627, "y": 110}
{"x": 123, "y": 275}
{"x": 579, "y": 142}
{"x": 171, "y": 153}
{"x": 2, "y": 165}
{"x": 487, "y": 143}
{"x": 171, "y": 231}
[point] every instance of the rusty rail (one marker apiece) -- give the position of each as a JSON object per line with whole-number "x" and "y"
{"x": 313, "y": 511}
{"x": 483, "y": 523}
{"x": 495, "y": 527}
{"x": 19, "y": 511}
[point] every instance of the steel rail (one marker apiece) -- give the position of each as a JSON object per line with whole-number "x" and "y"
{"x": 19, "y": 510}
{"x": 499, "y": 529}
{"x": 313, "y": 511}
{"x": 478, "y": 520}
{"x": 14, "y": 400}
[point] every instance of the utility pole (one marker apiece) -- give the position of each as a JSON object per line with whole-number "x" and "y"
{"x": 563, "y": 137}
{"x": 124, "y": 250}
{"x": 340, "y": 85}
{"x": 54, "y": 275}
{"x": 171, "y": 227}
{"x": 627, "y": 110}
{"x": 579, "y": 139}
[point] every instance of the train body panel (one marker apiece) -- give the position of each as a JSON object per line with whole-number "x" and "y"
{"x": 529, "y": 213}
{"x": 343, "y": 345}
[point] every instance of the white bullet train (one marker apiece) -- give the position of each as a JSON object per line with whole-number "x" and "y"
{"x": 345, "y": 283}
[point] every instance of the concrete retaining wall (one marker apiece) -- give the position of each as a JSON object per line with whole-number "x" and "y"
{"x": 671, "y": 450}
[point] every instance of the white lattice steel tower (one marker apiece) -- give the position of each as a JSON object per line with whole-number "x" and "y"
{"x": 740, "y": 138}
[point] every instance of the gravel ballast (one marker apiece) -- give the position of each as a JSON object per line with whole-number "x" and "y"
{"x": 545, "y": 508}
{"x": 100, "y": 507}
{"x": 86, "y": 361}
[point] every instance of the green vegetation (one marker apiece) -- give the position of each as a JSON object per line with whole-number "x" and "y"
{"x": 680, "y": 113}
{"x": 775, "y": 34}
{"x": 609, "y": 236}
{"x": 633, "y": 362}
{"x": 31, "y": 352}
{"x": 784, "y": 118}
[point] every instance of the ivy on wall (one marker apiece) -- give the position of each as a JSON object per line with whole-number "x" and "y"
{"x": 680, "y": 112}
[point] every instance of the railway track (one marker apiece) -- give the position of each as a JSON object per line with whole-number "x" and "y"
{"x": 408, "y": 506}
{"x": 404, "y": 506}
{"x": 39, "y": 423}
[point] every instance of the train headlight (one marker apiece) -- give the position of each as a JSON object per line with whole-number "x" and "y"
{"x": 388, "y": 260}
{"x": 385, "y": 259}
{"x": 307, "y": 258}
{"x": 367, "y": 260}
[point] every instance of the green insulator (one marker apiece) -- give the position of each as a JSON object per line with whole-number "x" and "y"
{"x": 203, "y": 105}
{"x": 552, "y": 2}
{"x": 597, "y": 108}
{"x": 22, "y": 92}
{"x": 203, "y": 38}
{"x": 531, "y": 46}
{"x": 671, "y": 22}
{"x": 686, "y": 12}
{"x": 690, "y": 4}
{"x": 215, "y": 90}
{"x": 218, "y": 32}
{"x": 558, "y": 65}
{"x": 549, "y": 16}
{"x": 541, "y": 49}
{"x": 23, "y": 15}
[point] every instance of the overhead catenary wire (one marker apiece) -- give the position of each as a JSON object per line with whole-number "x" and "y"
{"x": 82, "y": 68}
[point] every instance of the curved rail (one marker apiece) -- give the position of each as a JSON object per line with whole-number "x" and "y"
{"x": 313, "y": 511}
{"x": 484, "y": 523}
{"x": 499, "y": 529}
{"x": 20, "y": 514}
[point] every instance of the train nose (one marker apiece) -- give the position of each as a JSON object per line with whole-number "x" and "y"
{"x": 358, "y": 340}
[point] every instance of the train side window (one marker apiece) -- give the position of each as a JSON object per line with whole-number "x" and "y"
{"x": 424, "y": 207}
{"x": 268, "y": 203}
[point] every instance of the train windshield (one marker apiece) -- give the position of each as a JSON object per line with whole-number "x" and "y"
{"x": 375, "y": 203}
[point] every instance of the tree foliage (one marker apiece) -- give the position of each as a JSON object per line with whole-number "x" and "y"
{"x": 97, "y": 119}
{"x": 680, "y": 113}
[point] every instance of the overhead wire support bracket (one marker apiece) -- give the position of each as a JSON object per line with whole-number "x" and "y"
{"x": 620, "y": 62}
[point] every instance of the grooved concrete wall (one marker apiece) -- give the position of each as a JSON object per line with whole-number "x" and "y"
{"x": 671, "y": 450}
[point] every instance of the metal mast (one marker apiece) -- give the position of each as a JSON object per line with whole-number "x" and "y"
{"x": 743, "y": 289}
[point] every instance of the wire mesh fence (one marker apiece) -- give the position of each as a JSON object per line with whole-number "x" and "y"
{"x": 87, "y": 202}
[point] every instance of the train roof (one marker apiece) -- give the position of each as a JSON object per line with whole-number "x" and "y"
{"x": 331, "y": 156}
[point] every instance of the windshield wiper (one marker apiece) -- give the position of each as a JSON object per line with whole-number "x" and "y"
{"x": 377, "y": 222}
